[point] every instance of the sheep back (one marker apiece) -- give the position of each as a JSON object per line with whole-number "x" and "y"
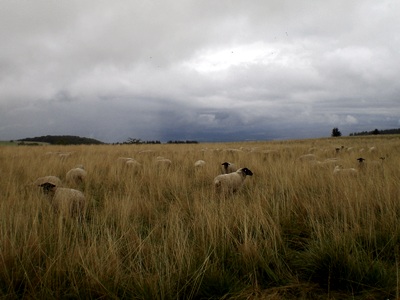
{"x": 76, "y": 176}
{"x": 199, "y": 163}
{"x": 50, "y": 179}
{"x": 68, "y": 201}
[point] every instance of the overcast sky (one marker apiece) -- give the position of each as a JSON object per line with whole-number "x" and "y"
{"x": 200, "y": 70}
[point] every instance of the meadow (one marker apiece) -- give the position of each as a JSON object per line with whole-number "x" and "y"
{"x": 294, "y": 230}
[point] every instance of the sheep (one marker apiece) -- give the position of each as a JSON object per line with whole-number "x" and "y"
{"x": 76, "y": 175}
{"x": 325, "y": 163}
{"x": 307, "y": 157}
{"x": 51, "y": 179}
{"x": 363, "y": 164}
{"x": 361, "y": 160}
{"x": 163, "y": 162}
{"x": 231, "y": 182}
{"x": 233, "y": 150}
{"x": 146, "y": 151}
{"x": 338, "y": 170}
{"x": 64, "y": 155}
{"x": 200, "y": 163}
{"x": 133, "y": 163}
{"x": 270, "y": 152}
{"x": 66, "y": 201}
{"x": 228, "y": 167}
{"x": 124, "y": 159}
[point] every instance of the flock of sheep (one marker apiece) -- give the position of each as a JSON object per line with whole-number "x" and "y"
{"x": 72, "y": 202}
{"x": 336, "y": 162}
{"x": 67, "y": 201}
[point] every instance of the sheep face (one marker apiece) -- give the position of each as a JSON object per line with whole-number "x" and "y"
{"x": 47, "y": 187}
{"x": 246, "y": 172}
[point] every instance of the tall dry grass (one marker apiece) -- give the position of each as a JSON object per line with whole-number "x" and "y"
{"x": 293, "y": 231}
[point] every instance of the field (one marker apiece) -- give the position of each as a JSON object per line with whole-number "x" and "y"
{"x": 294, "y": 230}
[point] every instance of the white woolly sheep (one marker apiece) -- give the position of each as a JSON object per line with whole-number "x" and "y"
{"x": 76, "y": 176}
{"x": 230, "y": 183}
{"x": 338, "y": 170}
{"x": 233, "y": 150}
{"x": 51, "y": 179}
{"x": 146, "y": 151}
{"x": 228, "y": 167}
{"x": 161, "y": 161}
{"x": 132, "y": 163}
{"x": 307, "y": 157}
{"x": 124, "y": 159}
{"x": 200, "y": 163}
{"x": 325, "y": 163}
{"x": 270, "y": 152}
{"x": 312, "y": 149}
{"x": 66, "y": 201}
{"x": 64, "y": 155}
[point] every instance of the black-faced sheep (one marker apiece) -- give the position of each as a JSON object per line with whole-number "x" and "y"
{"x": 66, "y": 201}
{"x": 228, "y": 167}
{"x": 363, "y": 164}
{"x": 230, "y": 183}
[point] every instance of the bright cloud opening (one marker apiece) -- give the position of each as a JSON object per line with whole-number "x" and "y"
{"x": 242, "y": 55}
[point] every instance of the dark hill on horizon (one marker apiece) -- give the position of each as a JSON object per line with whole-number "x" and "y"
{"x": 62, "y": 140}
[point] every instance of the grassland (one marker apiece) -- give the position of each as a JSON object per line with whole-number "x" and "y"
{"x": 8, "y": 143}
{"x": 294, "y": 231}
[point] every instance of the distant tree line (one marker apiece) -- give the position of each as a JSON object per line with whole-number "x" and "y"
{"x": 182, "y": 142}
{"x": 133, "y": 141}
{"x": 376, "y": 131}
{"x": 62, "y": 140}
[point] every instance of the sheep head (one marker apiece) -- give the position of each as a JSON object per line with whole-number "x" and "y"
{"x": 47, "y": 187}
{"x": 245, "y": 172}
{"x": 225, "y": 164}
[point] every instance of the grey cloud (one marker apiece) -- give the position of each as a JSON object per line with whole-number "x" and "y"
{"x": 207, "y": 70}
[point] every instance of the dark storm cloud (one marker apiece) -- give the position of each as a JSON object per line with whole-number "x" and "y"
{"x": 198, "y": 70}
